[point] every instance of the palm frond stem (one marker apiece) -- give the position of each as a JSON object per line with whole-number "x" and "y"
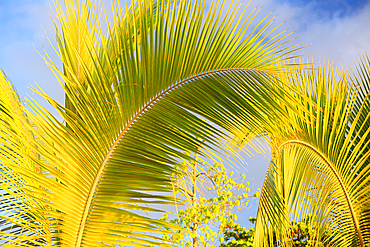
{"x": 338, "y": 177}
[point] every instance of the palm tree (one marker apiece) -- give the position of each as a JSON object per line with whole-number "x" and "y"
{"x": 134, "y": 97}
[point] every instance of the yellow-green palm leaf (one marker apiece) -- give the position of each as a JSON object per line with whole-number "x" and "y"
{"x": 322, "y": 169}
{"x": 133, "y": 99}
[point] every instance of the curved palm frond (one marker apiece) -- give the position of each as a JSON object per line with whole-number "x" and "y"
{"x": 133, "y": 100}
{"x": 323, "y": 168}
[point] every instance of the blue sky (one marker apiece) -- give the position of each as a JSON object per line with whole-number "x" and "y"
{"x": 336, "y": 30}
{"x": 328, "y": 8}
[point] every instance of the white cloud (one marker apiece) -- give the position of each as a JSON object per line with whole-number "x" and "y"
{"x": 340, "y": 39}
{"x": 336, "y": 37}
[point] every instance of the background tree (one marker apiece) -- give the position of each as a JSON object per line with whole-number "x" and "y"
{"x": 209, "y": 197}
{"x": 301, "y": 233}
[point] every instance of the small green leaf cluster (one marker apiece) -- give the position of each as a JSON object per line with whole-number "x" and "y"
{"x": 237, "y": 236}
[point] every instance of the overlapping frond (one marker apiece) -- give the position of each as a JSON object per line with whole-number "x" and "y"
{"x": 20, "y": 221}
{"x": 323, "y": 168}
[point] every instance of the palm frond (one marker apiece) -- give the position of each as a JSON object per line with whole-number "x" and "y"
{"x": 133, "y": 99}
{"x": 20, "y": 221}
{"x": 322, "y": 169}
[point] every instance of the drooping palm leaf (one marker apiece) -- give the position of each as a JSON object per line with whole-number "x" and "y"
{"x": 131, "y": 97}
{"x": 323, "y": 168}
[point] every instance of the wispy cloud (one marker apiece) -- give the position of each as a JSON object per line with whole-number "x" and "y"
{"x": 339, "y": 39}
{"x": 335, "y": 30}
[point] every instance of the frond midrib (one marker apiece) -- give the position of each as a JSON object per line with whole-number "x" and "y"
{"x": 338, "y": 177}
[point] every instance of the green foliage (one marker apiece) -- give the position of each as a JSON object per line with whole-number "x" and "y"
{"x": 237, "y": 236}
{"x": 212, "y": 194}
{"x": 301, "y": 234}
